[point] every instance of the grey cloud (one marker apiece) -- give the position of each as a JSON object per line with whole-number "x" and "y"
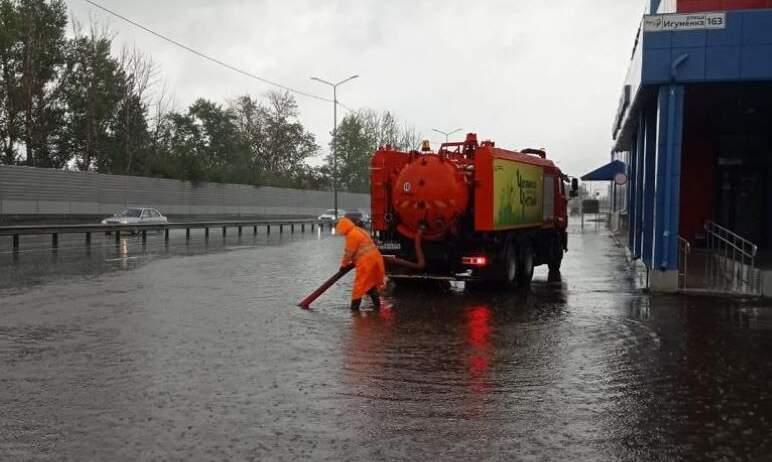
{"x": 522, "y": 73}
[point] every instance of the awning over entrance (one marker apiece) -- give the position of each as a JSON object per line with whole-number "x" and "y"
{"x": 607, "y": 172}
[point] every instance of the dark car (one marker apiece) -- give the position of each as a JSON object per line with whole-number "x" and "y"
{"x": 358, "y": 217}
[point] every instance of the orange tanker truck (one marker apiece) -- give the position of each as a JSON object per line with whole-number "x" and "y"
{"x": 478, "y": 212}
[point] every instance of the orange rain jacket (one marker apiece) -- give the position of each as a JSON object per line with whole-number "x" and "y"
{"x": 362, "y": 252}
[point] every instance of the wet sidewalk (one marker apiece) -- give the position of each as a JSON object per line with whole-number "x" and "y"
{"x": 201, "y": 354}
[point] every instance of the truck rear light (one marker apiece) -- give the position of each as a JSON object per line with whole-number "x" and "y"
{"x": 475, "y": 261}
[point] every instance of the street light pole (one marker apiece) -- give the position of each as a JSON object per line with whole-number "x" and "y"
{"x": 447, "y": 134}
{"x": 335, "y": 134}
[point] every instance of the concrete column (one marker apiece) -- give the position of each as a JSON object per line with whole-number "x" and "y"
{"x": 649, "y": 183}
{"x": 668, "y": 186}
{"x": 664, "y": 267}
{"x": 640, "y": 149}
{"x": 637, "y": 192}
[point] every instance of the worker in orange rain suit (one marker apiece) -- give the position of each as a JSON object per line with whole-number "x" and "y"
{"x": 370, "y": 270}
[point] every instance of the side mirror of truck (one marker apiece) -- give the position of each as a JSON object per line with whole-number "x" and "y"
{"x": 574, "y": 188}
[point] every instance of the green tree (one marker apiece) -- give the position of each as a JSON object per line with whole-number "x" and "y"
{"x": 128, "y": 148}
{"x": 130, "y": 125}
{"x": 185, "y": 158}
{"x": 32, "y": 41}
{"x": 358, "y": 136}
{"x": 93, "y": 88}
{"x": 276, "y": 142}
{"x": 10, "y": 113}
{"x": 354, "y": 149}
{"x": 223, "y": 153}
{"x": 287, "y": 144}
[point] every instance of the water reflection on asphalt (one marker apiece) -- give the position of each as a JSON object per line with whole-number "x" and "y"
{"x": 198, "y": 352}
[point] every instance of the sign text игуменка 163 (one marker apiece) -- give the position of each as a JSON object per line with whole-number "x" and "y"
{"x": 679, "y": 22}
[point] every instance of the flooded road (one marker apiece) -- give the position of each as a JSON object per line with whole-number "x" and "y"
{"x": 199, "y": 353}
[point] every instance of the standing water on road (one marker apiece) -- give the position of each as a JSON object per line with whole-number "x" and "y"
{"x": 200, "y": 353}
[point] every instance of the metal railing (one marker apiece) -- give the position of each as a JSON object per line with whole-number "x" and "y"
{"x": 684, "y": 250}
{"x": 15, "y": 232}
{"x": 730, "y": 263}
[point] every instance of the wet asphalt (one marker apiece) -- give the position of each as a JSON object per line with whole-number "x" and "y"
{"x": 197, "y": 352}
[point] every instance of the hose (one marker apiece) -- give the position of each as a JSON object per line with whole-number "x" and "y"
{"x": 419, "y": 265}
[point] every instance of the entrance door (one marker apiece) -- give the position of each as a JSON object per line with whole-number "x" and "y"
{"x": 742, "y": 200}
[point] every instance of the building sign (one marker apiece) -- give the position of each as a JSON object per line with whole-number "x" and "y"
{"x": 677, "y": 22}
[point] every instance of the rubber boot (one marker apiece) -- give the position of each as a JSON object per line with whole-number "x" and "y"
{"x": 375, "y": 297}
{"x": 355, "y": 304}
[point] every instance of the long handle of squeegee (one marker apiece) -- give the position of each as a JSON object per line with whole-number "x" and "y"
{"x": 306, "y": 303}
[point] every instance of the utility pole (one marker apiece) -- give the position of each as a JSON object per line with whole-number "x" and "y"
{"x": 335, "y": 134}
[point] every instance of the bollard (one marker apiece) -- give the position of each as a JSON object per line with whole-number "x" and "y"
{"x": 224, "y": 231}
{"x": 313, "y": 227}
{"x": 118, "y": 237}
{"x": 268, "y": 229}
{"x": 254, "y": 230}
{"x": 144, "y": 236}
{"x": 281, "y": 229}
{"x": 239, "y": 231}
{"x": 88, "y": 238}
{"x": 292, "y": 228}
{"x": 166, "y": 235}
{"x": 15, "y": 242}
{"x": 187, "y": 234}
{"x": 55, "y": 240}
{"x": 206, "y": 234}
{"x": 303, "y": 228}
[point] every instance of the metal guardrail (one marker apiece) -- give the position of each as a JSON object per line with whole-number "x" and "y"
{"x": 684, "y": 250}
{"x": 730, "y": 265}
{"x": 117, "y": 229}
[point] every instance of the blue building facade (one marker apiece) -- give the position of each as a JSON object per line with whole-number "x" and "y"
{"x": 694, "y": 128}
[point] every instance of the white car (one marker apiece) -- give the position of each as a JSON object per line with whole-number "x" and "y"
{"x": 136, "y": 216}
{"x": 329, "y": 215}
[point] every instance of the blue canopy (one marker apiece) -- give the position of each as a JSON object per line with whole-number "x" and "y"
{"x": 607, "y": 172}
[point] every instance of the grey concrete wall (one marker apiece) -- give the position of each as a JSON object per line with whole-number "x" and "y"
{"x": 26, "y": 191}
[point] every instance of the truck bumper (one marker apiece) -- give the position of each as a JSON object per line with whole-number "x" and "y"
{"x": 462, "y": 277}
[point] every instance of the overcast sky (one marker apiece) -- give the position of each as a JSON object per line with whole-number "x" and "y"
{"x": 523, "y": 73}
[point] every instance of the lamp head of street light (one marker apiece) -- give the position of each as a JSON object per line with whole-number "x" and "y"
{"x": 323, "y": 81}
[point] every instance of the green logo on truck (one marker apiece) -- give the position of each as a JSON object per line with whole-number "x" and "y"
{"x": 518, "y": 191}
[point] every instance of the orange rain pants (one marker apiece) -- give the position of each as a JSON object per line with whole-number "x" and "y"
{"x": 362, "y": 252}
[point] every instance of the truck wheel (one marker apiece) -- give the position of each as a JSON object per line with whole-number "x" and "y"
{"x": 525, "y": 266}
{"x": 555, "y": 260}
{"x": 510, "y": 267}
